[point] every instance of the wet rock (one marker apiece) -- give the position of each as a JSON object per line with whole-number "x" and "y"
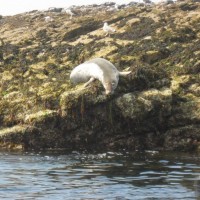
{"x": 188, "y": 7}
{"x": 186, "y": 111}
{"x": 184, "y": 138}
{"x": 139, "y": 106}
{"x": 154, "y": 56}
{"x": 57, "y": 10}
{"x": 13, "y": 137}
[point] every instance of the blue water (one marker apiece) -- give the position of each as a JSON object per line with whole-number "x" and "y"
{"x": 82, "y": 176}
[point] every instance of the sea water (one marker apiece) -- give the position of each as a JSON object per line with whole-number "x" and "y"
{"x": 110, "y": 175}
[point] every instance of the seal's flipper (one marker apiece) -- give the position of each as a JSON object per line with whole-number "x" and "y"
{"x": 124, "y": 73}
{"x": 90, "y": 81}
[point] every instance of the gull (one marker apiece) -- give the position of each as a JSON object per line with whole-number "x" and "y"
{"x": 69, "y": 11}
{"x": 48, "y": 19}
{"x": 108, "y": 29}
{"x": 116, "y": 6}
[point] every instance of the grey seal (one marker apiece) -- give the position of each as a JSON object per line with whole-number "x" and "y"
{"x": 97, "y": 68}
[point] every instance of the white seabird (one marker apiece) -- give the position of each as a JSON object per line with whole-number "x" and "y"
{"x": 108, "y": 29}
{"x": 69, "y": 11}
{"x": 116, "y": 6}
{"x": 48, "y": 19}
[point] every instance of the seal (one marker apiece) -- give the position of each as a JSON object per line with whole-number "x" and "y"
{"x": 100, "y": 69}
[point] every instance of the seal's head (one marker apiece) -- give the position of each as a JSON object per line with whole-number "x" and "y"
{"x": 110, "y": 85}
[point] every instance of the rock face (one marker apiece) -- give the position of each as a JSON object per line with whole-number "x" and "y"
{"x": 157, "y": 107}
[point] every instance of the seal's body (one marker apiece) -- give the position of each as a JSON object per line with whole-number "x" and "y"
{"x": 97, "y": 68}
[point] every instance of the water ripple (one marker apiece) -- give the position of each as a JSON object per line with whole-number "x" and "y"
{"x": 81, "y": 176}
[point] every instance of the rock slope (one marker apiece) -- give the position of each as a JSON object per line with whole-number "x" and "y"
{"x": 157, "y": 107}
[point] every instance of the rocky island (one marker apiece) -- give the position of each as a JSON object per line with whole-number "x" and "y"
{"x": 157, "y": 107}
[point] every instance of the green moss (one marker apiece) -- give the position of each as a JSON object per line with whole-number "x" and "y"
{"x": 39, "y": 116}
